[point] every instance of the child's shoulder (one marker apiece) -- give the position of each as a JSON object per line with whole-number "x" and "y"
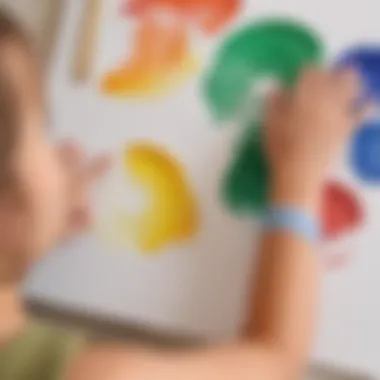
{"x": 41, "y": 352}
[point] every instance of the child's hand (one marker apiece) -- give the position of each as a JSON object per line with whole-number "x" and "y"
{"x": 306, "y": 128}
{"x": 83, "y": 173}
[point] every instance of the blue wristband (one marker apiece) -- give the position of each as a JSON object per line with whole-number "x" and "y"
{"x": 293, "y": 220}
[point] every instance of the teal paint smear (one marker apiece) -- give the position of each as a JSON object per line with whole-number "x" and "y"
{"x": 274, "y": 48}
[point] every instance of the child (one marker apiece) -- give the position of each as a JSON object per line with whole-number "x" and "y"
{"x": 43, "y": 200}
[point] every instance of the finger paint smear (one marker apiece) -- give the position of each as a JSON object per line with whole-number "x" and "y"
{"x": 275, "y": 50}
{"x": 365, "y": 152}
{"x": 162, "y": 56}
{"x": 271, "y": 51}
{"x": 342, "y": 217}
{"x": 169, "y": 215}
{"x": 342, "y": 211}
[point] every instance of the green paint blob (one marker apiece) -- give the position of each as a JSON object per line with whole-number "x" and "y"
{"x": 245, "y": 186}
{"x": 277, "y": 49}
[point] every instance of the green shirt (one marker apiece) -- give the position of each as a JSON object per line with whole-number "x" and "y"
{"x": 39, "y": 353}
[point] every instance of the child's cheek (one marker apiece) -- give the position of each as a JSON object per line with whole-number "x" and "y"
{"x": 48, "y": 193}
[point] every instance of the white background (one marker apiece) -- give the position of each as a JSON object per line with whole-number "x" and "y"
{"x": 200, "y": 289}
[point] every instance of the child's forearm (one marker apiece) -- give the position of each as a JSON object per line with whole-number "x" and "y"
{"x": 304, "y": 130}
{"x": 280, "y": 329}
{"x": 286, "y": 285}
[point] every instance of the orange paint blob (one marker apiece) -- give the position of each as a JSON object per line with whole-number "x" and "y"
{"x": 160, "y": 59}
{"x": 162, "y": 56}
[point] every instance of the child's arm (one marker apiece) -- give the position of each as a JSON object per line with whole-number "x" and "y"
{"x": 305, "y": 130}
{"x": 275, "y": 350}
{"x": 277, "y": 340}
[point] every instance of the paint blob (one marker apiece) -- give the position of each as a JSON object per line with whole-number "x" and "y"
{"x": 342, "y": 211}
{"x": 365, "y": 152}
{"x": 366, "y": 61}
{"x": 274, "y": 49}
{"x": 162, "y": 55}
{"x": 171, "y": 214}
{"x": 210, "y": 16}
{"x": 245, "y": 185}
{"x": 342, "y": 217}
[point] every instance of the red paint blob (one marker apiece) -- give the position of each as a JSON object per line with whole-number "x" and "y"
{"x": 341, "y": 211}
{"x": 210, "y": 16}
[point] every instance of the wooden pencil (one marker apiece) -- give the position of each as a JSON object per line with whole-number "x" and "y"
{"x": 86, "y": 41}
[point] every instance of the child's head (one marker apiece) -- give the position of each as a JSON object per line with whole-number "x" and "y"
{"x": 32, "y": 184}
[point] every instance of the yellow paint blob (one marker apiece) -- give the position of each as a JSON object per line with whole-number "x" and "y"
{"x": 171, "y": 213}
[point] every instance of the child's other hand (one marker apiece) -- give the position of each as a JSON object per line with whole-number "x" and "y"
{"x": 82, "y": 174}
{"x": 306, "y": 128}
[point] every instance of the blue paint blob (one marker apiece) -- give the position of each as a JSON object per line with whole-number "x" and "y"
{"x": 366, "y": 60}
{"x": 365, "y": 154}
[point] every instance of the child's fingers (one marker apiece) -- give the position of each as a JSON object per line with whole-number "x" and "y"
{"x": 72, "y": 155}
{"x": 75, "y": 159}
{"x": 311, "y": 78}
{"x": 363, "y": 112}
{"x": 81, "y": 218}
{"x": 276, "y": 103}
{"x": 348, "y": 85}
{"x": 97, "y": 168}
